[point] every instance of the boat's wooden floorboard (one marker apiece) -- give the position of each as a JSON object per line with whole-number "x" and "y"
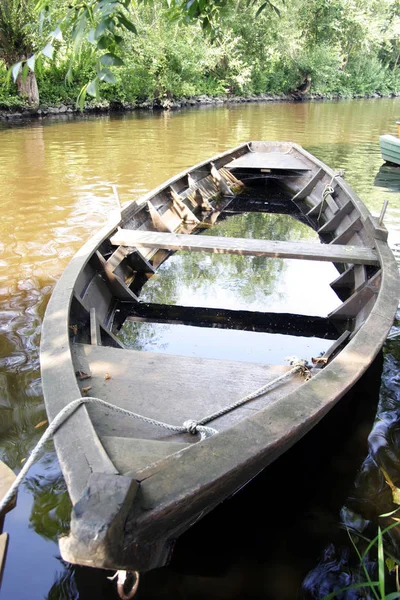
{"x": 169, "y": 388}
{"x": 251, "y": 247}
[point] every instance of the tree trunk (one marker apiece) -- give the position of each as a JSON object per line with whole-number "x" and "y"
{"x": 28, "y": 88}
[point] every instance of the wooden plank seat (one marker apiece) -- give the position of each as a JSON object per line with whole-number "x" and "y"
{"x": 251, "y": 247}
{"x": 245, "y": 320}
{"x": 171, "y": 388}
{"x": 268, "y": 160}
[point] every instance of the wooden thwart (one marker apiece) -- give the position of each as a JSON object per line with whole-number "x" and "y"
{"x": 268, "y": 160}
{"x": 282, "y": 323}
{"x": 251, "y": 247}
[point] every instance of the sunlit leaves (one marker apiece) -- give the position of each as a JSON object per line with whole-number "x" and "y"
{"x": 48, "y": 50}
{"x": 31, "y": 62}
{"x": 16, "y": 69}
{"x": 93, "y": 88}
{"x": 264, "y": 5}
{"x": 111, "y": 60}
{"x": 106, "y": 75}
{"x": 126, "y": 23}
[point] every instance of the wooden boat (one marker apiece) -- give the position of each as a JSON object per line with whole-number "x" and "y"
{"x": 135, "y": 487}
{"x": 390, "y": 147}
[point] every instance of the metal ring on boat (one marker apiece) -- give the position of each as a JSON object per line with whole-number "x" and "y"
{"x": 122, "y": 577}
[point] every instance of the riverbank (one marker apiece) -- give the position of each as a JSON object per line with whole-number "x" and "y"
{"x": 105, "y": 106}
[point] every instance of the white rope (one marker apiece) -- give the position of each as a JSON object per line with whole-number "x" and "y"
{"x": 298, "y": 366}
{"x": 67, "y": 411}
{"x": 190, "y": 426}
{"x": 329, "y": 190}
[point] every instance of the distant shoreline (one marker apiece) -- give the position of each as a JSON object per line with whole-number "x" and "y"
{"x": 166, "y": 104}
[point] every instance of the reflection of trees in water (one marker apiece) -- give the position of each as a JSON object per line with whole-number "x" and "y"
{"x": 64, "y": 587}
{"x": 21, "y": 400}
{"x": 249, "y": 279}
{"x": 18, "y": 434}
{"x": 51, "y": 511}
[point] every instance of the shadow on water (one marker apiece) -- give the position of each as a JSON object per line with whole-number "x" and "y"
{"x": 388, "y": 178}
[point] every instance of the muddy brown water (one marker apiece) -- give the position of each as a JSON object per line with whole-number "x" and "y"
{"x": 56, "y": 178}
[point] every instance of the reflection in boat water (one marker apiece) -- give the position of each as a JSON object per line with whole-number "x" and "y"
{"x": 252, "y": 283}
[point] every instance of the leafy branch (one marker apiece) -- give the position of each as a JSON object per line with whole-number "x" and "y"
{"x": 100, "y": 26}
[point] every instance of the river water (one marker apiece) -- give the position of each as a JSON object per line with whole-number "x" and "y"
{"x": 56, "y": 178}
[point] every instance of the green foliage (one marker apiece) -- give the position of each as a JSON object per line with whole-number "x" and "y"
{"x": 9, "y": 99}
{"x": 160, "y": 49}
{"x": 54, "y": 89}
{"x": 369, "y": 76}
{"x": 386, "y": 562}
{"x": 17, "y": 34}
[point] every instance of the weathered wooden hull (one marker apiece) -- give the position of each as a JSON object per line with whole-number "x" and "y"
{"x": 135, "y": 490}
{"x": 390, "y": 148}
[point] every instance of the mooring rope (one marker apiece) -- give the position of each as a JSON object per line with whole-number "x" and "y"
{"x": 298, "y": 365}
{"x": 67, "y": 411}
{"x": 189, "y": 426}
{"x": 329, "y": 190}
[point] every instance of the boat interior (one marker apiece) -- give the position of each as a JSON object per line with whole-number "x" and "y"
{"x": 180, "y": 215}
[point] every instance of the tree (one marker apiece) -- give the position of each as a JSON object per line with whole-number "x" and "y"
{"x": 17, "y": 45}
{"x": 102, "y": 23}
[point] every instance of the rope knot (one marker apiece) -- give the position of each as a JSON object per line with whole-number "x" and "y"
{"x": 301, "y": 365}
{"x": 191, "y": 426}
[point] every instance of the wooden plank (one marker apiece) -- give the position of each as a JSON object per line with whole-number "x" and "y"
{"x": 116, "y": 258}
{"x": 346, "y": 235}
{"x": 135, "y": 260}
{"x": 267, "y": 160}
{"x": 131, "y": 454}
{"x": 321, "y": 361}
{"x": 318, "y": 208}
{"x": 337, "y": 218}
{"x": 351, "y": 280}
{"x": 116, "y": 284}
{"x": 95, "y": 337}
{"x": 105, "y": 333}
{"x": 7, "y": 478}
{"x": 352, "y": 306}
{"x": 310, "y": 185}
{"x": 142, "y": 382}
{"x": 3, "y": 552}
{"x": 282, "y": 323}
{"x": 360, "y": 276}
{"x": 226, "y": 245}
{"x": 331, "y": 202}
{"x": 345, "y": 279}
{"x": 139, "y": 263}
